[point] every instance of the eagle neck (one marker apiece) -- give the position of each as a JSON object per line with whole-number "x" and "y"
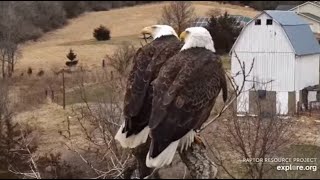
{"x": 166, "y": 37}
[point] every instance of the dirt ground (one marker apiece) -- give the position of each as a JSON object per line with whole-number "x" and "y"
{"x": 50, "y": 119}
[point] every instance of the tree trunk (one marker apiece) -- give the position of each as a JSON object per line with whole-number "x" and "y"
{"x": 9, "y": 69}
{"x": 195, "y": 158}
{"x": 198, "y": 163}
{"x": 139, "y": 162}
{"x": 12, "y": 67}
{"x": 3, "y": 69}
{"x": 141, "y": 153}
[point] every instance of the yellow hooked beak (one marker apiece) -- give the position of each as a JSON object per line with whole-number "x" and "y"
{"x": 183, "y": 36}
{"x": 147, "y": 30}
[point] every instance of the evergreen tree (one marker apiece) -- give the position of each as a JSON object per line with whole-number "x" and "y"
{"x": 224, "y": 31}
{"x": 72, "y": 59}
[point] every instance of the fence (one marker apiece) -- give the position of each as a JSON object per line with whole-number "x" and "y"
{"x": 31, "y": 92}
{"x": 312, "y": 110}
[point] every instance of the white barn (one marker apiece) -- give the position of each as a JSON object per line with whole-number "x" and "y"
{"x": 285, "y": 52}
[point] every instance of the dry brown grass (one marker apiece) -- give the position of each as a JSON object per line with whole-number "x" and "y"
{"x": 49, "y": 52}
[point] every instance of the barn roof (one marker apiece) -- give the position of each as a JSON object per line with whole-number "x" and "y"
{"x": 286, "y": 18}
{"x": 298, "y": 32}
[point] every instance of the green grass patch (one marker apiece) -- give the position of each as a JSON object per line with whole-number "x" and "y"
{"x": 92, "y": 93}
{"x": 226, "y": 61}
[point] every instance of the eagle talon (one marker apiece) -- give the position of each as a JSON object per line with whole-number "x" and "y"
{"x": 199, "y": 141}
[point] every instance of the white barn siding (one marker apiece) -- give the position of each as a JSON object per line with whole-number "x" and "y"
{"x": 306, "y": 74}
{"x": 282, "y": 102}
{"x": 263, "y": 38}
{"x": 274, "y": 59}
{"x": 275, "y": 67}
{"x": 278, "y": 67}
{"x": 243, "y": 99}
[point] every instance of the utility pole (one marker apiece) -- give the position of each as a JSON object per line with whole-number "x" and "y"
{"x": 63, "y": 91}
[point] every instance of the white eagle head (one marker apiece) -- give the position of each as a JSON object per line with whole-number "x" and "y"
{"x": 197, "y": 37}
{"x": 157, "y": 31}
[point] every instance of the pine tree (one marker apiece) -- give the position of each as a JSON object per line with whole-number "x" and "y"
{"x": 72, "y": 59}
{"x": 71, "y": 55}
{"x": 224, "y": 31}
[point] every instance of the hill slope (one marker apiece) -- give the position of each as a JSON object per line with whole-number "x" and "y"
{"x": 49, "y": 52}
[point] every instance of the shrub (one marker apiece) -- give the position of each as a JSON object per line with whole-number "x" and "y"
{"x": 29, "y": 72}
{"x": 224, "y": 31}
{"x": 41, "y": 73}
{"x": 101, "y": 33}
{"x": 121, "y": 59}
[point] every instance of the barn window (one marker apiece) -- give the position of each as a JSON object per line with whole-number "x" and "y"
{"x": 269, "y": 21}
{"x": 257, "y": 22}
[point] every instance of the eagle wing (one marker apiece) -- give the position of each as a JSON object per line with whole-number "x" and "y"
{"x": 184, "y": 94}
{"x": 138, "y": 81}
{"x": 138, "y": 97}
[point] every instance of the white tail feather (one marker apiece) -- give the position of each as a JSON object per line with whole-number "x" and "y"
{"x": 166, "y": 156}
{"x": 133, "y": 140}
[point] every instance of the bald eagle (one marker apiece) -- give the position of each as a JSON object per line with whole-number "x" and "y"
{"x": 184, "y": 94}
{"x": 138, "y": 97}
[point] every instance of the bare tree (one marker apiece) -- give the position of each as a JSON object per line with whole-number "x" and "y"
{"x": 3, "y": 56}
{"x": 10, "y": 31}
{"x": 9, "y": 54}
{"x": 214, "y": 12}
{"x": 120, "y": 61}
{"x": 247, "y": 141}
{"x": 249, "y": 137}
{"x": 99, "y": 122}
{"x": 13, "y": 138}
{"x": 178, "y": 14}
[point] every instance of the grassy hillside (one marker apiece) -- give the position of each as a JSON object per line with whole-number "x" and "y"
{"x": 49, "y": 52}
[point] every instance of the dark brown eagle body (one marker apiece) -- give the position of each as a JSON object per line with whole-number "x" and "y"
{"x": 138, "y": 97}
{"x": 184, "y": 95}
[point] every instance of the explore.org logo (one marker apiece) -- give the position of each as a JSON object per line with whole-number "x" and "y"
{"x": 285, "y": 164}
{"x": 279, "y": 160}
{"x": 291, "y": 167}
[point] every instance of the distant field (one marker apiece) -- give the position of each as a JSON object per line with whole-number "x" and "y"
{"x": 48, "y": 53}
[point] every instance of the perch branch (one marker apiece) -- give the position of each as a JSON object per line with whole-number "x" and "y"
{"x": 198, "y": 163}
